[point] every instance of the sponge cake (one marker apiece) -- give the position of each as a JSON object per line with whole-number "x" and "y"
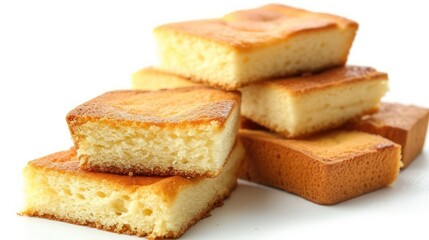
{"x": 301, "y": 106}
{"x": 156, "y": 207}
{"x": 325, "y": 169}
{"x": 187, "y": 131}
{"x": 252, "y": 45}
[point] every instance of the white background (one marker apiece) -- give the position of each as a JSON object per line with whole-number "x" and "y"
{"x": 55, "y": 55}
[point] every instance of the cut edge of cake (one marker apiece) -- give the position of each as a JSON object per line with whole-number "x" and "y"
{"x": 228, "y": 53}
{"x": 112, "y": 138}
{"x": 301, "y": 106}
{"x": 55, "y": 183}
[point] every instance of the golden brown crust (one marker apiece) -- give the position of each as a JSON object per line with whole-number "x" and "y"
{"x": 259, "y": 27}
{"x": 325, "y": 169}
{"x": 329, "y": 147}
{"x": 126, "y": 230}
{"x": 396, "y": 115}
{"x": 403, "y": 124}
{"x": 146, "y": 171}
{"x": 173, "y": 107}
{"x": 329, "y": 78}
{"x": 67, "y": 163}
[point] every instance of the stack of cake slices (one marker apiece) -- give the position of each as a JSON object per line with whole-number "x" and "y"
{"x": 154, "y": 160}
{"x": 310, "y": 124}
{"x": 149, "y": 163}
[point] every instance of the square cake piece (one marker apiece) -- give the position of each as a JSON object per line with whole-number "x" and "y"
{"x": 325, "y": 169}
{"x": 252, "y": 45}
{"x": 156, "y": 207}
{"x": 403, "y": 124}
{"x": 300, "y": 106}
{"x": 185, "y": 131}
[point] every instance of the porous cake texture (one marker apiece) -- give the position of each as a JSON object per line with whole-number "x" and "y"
{"x": 298, "y": 106}
{"x": 156, "y": 207}
{"x": 405, "y": 125}
{"x": 187, "y": 131}
{"x": 301, "y": 106}
{"x": 325, "y": 169}
{"x": 252, "y": 45}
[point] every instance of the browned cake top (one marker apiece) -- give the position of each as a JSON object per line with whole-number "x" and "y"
{"x": 66, "y": 162}
{"x": 191, "y": 105}
{"x": 329, "y": 78}
{"x": 260, "y": 26}
{"x": 328, "y": 148}
{"x": 396, "y": 115}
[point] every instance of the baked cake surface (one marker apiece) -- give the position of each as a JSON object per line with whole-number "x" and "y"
{"x": 405, "y": 125}
{"x": 187, "y": 131}
{"x": 256, "y": 44}
{"x": 325, "y": 169}
{"x": 156, "y": 207}
{"x": 301, "y": 106}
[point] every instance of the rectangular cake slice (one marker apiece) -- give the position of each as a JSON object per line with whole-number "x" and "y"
{"x": 156, "y": 207}
{"x": 403, "y": 124}
{"x": 300, "y": 106}
{"x": 325, "y": 169}
{"x": 252, "y": 45}
{"x": 185, "y": 131}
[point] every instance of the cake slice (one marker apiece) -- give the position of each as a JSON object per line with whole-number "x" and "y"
{"x": 156, "y": 207}
{"x": 252, "y": 45}
{"x": 300, "y": 106}
{"x": 403, "y": 124}
{"x": 185, "y": 131}
{"x": 325, "y": 169}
